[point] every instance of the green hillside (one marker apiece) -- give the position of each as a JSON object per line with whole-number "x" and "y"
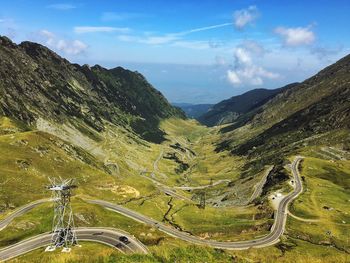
{"x": 228, "y": 111}
{"x": 318, "y": 105}
{"x": 122, "y": 142}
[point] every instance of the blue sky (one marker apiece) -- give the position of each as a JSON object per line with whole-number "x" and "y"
{"x": 197, "y": 51}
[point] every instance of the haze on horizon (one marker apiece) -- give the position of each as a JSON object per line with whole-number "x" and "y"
{"x": 194, "y": 53}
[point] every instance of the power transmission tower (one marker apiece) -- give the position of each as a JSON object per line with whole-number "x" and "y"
{"x": 202, "y": 200}
{"x": 63, "y": 234}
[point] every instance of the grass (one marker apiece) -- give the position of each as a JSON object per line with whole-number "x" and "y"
{"x": 207, "y": 165}
{"x": 30, "y": 157}
{"x": 290, "y": 251}
{"x": 293, "y": 251}
{"x": 39, "y": 220}
{"x": 231, "y": 223}
{"x": 326, "y": 197}
{"x": 90, "y": 252}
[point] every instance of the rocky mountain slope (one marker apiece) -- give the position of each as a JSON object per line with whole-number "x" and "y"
{"x": 36, "y": 84}
{"x": 302, "y": 112}
{"x": 228, "y": 111}
{"x": 329, "y": 114}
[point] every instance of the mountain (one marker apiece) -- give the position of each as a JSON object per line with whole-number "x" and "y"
{"x": 230, "y": 110}
{"x": 193, "y": 111}
{"x": 322, "y": 116}
{"x": 38, "y": 84}
{"x": 123, "y": 143}
{"x": 300, "y": 115}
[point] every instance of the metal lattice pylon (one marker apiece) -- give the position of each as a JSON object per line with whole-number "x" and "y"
{"x": 202, "y": 200}
{"x": 63, "y": 234}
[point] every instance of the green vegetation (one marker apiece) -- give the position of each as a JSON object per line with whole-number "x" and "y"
{"x": 124, "y": 143}
{"x": 231, "y": 223}
{"x": 326, "y": 199}
{"x": 292, "y": 250}
{"x": 177, "y": 252}
{"x": 44, "y": 155}
{"x": 233, "y": 109}
{"x": 39, "y": 220}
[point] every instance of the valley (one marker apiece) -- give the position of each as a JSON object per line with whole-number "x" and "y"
{"x": 271, "y": 184}
{"x": 169, "y": 198}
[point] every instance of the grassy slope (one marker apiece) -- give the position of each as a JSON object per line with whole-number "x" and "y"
{"x": 306, "y": 109}
{"x": 32, "y": 156}
{"x": 326, "y": 198}
{"x": 229, "y": 223}
{"x": 230, "y": 110}
{"x": 206, "y": 164}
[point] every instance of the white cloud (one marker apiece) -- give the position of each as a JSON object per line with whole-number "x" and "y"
{"x": 74, "y": 47}
{"x": 233, "y": 77}
{"x": 245, "y": 70}
{"x": 49, "y": 37}
{"x": 158, "y": 40}
{"x": 242, "y": 57}
{"x": 245, "y": 17}
{"x": 254, "y": 47}
{"x": 96, "y": 29}
{"x": 176, "y": 39}
{"x": 69, "y": 47}
{"x": 296, "y": 36}
{"x": 62, "y": 6}
{"x": 150, "y": 40}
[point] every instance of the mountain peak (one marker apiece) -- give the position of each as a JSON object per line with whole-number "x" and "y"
{"x": 5, "y": 41}
{"x": 38, "y": 51}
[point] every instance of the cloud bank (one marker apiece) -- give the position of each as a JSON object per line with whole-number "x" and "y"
{"x": 69, "y": 47}
{"x": 296, "y": 36}
{"x": 245, "y": 70}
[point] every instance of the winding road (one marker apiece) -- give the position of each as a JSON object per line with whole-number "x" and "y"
{"x": 107, "y": 236}
{"x": 111, "y": 236}
{"x": 21, "y": 211}
{"x": 270, "y": 239}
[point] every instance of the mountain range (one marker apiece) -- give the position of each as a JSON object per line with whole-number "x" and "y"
{"x": 212, "y": 179}
{"x": 307, "y": 114}
{"x": 228, "y": 111}
{"x": 37, "y": 83}
{"x": 193, "y": 111}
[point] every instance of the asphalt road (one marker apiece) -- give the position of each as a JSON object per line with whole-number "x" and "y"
{"x": 167, "y": 190}
{"x": 270, "y": 239}
{"x": 110, "y": 236}
{"x": 22, "y": 210}
{"x": 107, "y": 236}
